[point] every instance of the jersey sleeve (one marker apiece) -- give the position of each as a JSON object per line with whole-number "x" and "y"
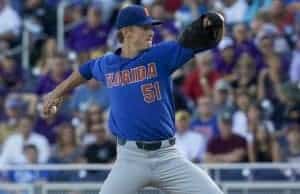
{"x": 174, "y": 55}
{"x": 86, "y": 69}
{"x": 92, "y": 69}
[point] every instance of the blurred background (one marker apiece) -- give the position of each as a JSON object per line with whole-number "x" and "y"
{"x": 237, "y": 106}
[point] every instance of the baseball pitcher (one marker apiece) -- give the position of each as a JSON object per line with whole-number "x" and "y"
{"x": 141, "y": 106}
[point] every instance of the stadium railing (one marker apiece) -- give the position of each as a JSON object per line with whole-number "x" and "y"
{"x": 256, "y": 178}
{"x": 26, "y": 44}
{"x": 9, "y": 188}
{"x": 60, "y": 24}
{"x": 261, "y": 188}
{"x": 61, "y": 27}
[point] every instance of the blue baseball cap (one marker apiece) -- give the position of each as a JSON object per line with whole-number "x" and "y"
{"x": 135, "y": 15}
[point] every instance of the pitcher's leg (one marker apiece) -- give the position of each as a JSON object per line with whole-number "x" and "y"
{"x": 179, "y": 176}
{"x": 126, "y": 177}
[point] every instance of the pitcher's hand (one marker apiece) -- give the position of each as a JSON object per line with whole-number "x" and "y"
{"x": 51, "y": 104}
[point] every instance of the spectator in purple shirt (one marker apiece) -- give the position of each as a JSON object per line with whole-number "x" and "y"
{"x": 242, "y": 41}
{"x": 270, "y": 42}
{"x": 166, "y": 31}
{"x": 205, "y": 121}
{"x": 246, "y": 75}
{"x": 10, "y": 74}
{"x": 243, "y": 44}
{"x": 226, "y": 58}
{"x": 47, "y": 127}
{"x": 270, "y": 80}
{"x": 89, "y": 36}
{"x": 58, "y": 71}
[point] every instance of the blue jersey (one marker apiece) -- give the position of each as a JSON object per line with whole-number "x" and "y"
{"x": 140, "y": 90}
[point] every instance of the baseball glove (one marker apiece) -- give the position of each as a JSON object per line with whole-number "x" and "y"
{"x": 203, "y": 33}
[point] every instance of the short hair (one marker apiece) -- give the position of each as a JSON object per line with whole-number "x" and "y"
{"x": 60, "y": 55}
{"x": 29, "y": 117}
{"x": 59, "y": 132}
{"x": 30, "y": 146}
{"x": 201, "y": 55}
{"x": 120, "y": 36}
{"x": 245, "y": 58}
{"x": 182, "y": 115}
{"x": 263, "y": 16}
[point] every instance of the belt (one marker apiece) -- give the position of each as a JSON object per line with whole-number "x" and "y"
{"x": 149, "y": 145}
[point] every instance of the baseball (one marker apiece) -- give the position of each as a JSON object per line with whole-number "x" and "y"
{"x": 53, "y": 109}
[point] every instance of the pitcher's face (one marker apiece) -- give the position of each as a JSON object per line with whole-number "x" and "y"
{"x": 141, "y": 36}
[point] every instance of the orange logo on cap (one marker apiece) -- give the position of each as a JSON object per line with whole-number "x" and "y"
{"x": 146, "y": 11}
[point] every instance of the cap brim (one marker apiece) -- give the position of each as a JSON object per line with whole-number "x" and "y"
{"x": 156, "y": 22}
{"x": 151, "y": 22}
{"x": 226, "y": 120}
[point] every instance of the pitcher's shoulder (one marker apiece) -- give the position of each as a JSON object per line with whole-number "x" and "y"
{"x": 106, "y": 58}
{"x": 165, "y": 44}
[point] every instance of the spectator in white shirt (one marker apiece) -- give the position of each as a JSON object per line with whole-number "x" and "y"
{"x": 28, "y": 176}
{"x": 294, "y": 71}
{"x": 239, "y": 124}
{"x": 189, "y": 143}
{"x": 12, "y": 152}
{"x": 234, "y": 10}
{"x": 10, "y": 22}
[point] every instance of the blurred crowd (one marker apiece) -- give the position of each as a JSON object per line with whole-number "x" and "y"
{"x": 239, "y": 102}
